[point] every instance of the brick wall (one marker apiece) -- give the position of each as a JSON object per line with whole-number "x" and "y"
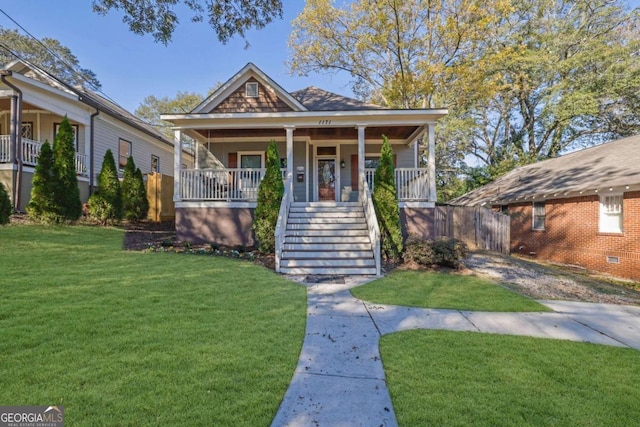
{"x": 571, "y": 235}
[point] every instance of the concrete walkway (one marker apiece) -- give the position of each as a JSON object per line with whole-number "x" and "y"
{"x": 339, "y": 380}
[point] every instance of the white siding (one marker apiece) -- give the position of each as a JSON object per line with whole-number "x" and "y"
{"x": 107, "y": 135}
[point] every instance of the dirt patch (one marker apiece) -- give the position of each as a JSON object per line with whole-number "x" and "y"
{"x": 551, "y": 282}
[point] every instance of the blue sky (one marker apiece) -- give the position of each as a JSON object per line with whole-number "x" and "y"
{"x": 131, "y": 67}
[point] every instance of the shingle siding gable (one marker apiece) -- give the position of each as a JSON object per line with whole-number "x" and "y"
{"x": 266, "y": 102}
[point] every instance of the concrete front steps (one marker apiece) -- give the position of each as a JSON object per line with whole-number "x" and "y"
{"x": 328, "y": 239}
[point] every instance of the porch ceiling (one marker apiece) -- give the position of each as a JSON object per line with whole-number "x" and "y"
{"x": 332, "y": 133}
{"x": 5, "y": 105}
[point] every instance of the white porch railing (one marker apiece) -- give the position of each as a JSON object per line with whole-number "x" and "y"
{"x": 31, "y": 152}
{"x": 281, "y": 225}
{"x": 411, "y": 183}
{"x": 372, "y": 224}
{"x": 221, "y": 184}
{"x": 5, "y": 147}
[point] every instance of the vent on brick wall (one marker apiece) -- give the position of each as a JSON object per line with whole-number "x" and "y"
{"x": 613, "y": 260}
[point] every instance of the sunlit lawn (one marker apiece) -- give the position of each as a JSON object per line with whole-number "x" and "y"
{"x": 127, "y": 338}
{"x": 444, "y": 290}
{"x": 445, "y": 378}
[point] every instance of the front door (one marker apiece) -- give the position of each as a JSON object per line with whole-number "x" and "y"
{"x": 326, "y": 179}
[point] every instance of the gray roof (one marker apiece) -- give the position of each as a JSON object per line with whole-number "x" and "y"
{"x": 614, "y": 165}
{"x": 315, "y": 99}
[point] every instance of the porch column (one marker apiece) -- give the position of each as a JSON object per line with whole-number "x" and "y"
{"x": 416, "y": 153}
{"x": 177, "y": 165}
{"x": 289, "y": 130}
{"x": 361, "y": 177}
{"x": 431, "y": 162}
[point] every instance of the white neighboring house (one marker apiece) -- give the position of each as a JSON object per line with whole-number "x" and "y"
{"x": 32, "y": 105}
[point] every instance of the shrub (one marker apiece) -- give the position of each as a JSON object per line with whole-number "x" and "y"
{"x": 68, "y": 203}
{"x": 106, "y": 203}
{"x": 270, "y": 195}
{"x": 443, "y": 251}
{"x": 134, "y": 194}
{"x": 385, "y": 203}
{"x": 5, "y": 205}
{"x": 42, "y": 205}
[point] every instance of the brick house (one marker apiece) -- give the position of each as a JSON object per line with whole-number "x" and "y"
{"x": 580, "y": 209}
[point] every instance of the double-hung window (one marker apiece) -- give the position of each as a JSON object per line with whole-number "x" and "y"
{"x": 611, "y": 213}
{"x": 124, "y": 151}
{"x": 539, "y": 215}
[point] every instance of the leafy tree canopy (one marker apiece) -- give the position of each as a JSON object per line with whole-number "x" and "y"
{"x": 226, "y": 17}
{"x": 152, "y": 107}
{"x": 63, "y": 64}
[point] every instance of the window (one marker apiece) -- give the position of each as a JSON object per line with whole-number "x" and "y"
{"x": 251, "y": 90}
{"x": 611, "y": 213}
{"x": 539, "y": 215}
{"x": 371, "y": 162}
{"x": 251, "y": 159}
{"x": 26, "y": 130}
{"x": 155, "y": 164}
{"x": 124, "y": 152}
{"x": 56, "y": 127}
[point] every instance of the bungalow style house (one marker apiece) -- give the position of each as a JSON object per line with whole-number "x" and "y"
{"x": 32, "y": 105}
{"x": 329, "y": 147}
{"x": 579, "y": 209}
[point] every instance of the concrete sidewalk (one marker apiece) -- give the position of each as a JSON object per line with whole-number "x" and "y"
{"x": 339, "y": 380}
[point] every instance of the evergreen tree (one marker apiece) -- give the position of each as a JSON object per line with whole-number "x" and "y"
{"x": 270, "y": 195}
{"x": 5, "y": 205}
{"x": 106, "y": 203}
{"x": 42, "y": 206}
{"x": 385, "y": 202}
{"x": 134, "y": 194}
{"x": 69, "y": 206}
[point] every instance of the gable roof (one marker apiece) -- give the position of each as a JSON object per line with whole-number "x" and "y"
{"x": 238, "y": 79}
{"x": 613, "y": 166}
{"x": 316, "y": 99}
{"x": 87, "y": 97}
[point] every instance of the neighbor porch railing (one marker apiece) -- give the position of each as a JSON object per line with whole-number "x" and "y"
{"x": 411, "y": 183}
{"x": 372, "y": 224}
{"x": 31, "y": 152}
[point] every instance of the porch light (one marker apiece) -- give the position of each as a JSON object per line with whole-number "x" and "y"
{"x": 343, "y": 164}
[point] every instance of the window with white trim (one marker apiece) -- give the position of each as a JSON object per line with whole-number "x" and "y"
{"x": 611, "y": 213}
{"x": 155, "y": 164}
{"x": 251, "y": 89}
{"x": 124, "y": 151}
{"x": 539, "y": 216}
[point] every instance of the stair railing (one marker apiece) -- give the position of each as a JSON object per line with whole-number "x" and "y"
{"x": 283, "y": 214}
{"x": 372, "y": 223}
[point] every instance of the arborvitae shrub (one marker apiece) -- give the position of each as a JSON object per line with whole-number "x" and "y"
{"x": 5, "y": 205}
{"x": 134, "y": 194}
{"x": 106, "y": 203}
{"x": 385, "y": 202}
{"x": 270, "y": 193}
{"x": 68, "y": 202}
{"x": 42, "y": 205}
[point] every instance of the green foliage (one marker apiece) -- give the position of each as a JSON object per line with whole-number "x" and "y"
{"x": 5, "y": 205}
{"x": 270, "y": 195}
{"x": 152, "y": 107}
{"x": 443, "y": 251}
{"x": 134, "y": 194}
{"x": 106, "y": 203}
{"x": 385, "y": 202}
{"x": 69, "y": 206}
{"x": 42, "y": 205}
{"x": 48, "y": 54}
{"x": 227, "y": 18}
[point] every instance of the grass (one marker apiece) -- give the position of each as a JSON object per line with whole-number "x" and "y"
{"x": 131, "y": 338}
{"x": 444, "y": 378}
{"x": 447, "y": 291}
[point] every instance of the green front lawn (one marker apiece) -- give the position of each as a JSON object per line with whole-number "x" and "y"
{"x": 129, "y": 338}
{"x": 444, "y": 378}
{"x": 444, "y": 290}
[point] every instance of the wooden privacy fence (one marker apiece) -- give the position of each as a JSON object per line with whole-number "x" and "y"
{"x": 160, "y": 197}
{"x": 479, "y": 228}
